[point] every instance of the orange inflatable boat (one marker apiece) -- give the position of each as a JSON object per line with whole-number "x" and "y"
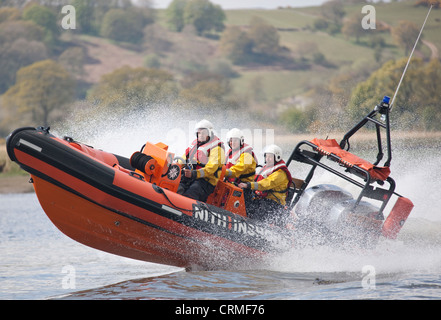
{"x": 99, "y": 199}
{"x": 130, "y": 207}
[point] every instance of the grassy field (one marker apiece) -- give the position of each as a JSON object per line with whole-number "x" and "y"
{"x": 277, "y": 18}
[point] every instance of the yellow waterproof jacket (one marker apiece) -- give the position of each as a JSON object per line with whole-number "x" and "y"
{"x": 210, "y": 171}
{"x": 276, "y": 181}
{"x": 245, "y": 167}
{"x": 210, "y": 157}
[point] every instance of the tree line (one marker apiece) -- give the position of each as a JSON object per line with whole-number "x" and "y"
{"x": 40, "y": 71}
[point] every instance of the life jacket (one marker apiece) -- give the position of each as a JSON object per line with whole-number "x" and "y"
{"x": 232, "y": 158}
{"x": 197, "y": 154}
{"x": 267, "y": 171}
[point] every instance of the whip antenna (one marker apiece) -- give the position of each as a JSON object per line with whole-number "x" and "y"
{"x": 410, "y": 57}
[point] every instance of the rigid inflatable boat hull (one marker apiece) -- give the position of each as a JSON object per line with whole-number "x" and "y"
{"x": 102, "y": 207}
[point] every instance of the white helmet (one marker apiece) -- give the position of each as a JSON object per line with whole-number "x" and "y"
{"x": 204, "y": 124}
{"x": 235, "y": 133}
{"x": 276, "y": 150}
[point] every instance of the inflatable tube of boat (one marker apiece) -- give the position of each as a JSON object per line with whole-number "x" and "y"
{"x": 397, "y": 217}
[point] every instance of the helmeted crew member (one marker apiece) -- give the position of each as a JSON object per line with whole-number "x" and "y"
{"x": 240, "y": 161}
{"x": 271, "y": 187}
{"x": 206, "y": 154}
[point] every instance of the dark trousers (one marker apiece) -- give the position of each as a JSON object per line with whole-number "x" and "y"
{"x": 198, "y": 189}
{"x": 267, "y": 210}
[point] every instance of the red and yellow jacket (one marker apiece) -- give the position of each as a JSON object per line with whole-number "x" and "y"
{"x": 272, "y": 182}
{"x": 207, "y": 158}
{"x": 241, "y": 165}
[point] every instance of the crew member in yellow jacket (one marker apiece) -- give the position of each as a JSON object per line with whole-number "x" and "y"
{"x": 270, "y": 187}
{"x": 205, "y": 157}
{"x": 241, "y": 161}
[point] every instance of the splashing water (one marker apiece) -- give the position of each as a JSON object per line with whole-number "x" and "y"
{"x": 125, "y": 134}
{"x": 415, "y": 169}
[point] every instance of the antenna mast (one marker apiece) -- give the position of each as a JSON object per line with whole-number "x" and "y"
{"x": 410, "y": 57}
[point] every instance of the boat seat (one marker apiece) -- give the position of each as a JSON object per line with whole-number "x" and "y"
{"x": 298, "y": 183}
{"x": 332, "y": 149}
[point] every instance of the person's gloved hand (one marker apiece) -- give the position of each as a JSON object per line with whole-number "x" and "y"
{"x": 190, "y": 174}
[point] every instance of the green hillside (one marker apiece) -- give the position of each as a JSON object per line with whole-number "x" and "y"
{"x": 307, "y": 75}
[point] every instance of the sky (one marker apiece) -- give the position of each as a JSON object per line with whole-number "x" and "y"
{"x": 240, "y": 4}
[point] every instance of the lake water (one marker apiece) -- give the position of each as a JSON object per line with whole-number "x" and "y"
{"x": 39, "y": 262}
